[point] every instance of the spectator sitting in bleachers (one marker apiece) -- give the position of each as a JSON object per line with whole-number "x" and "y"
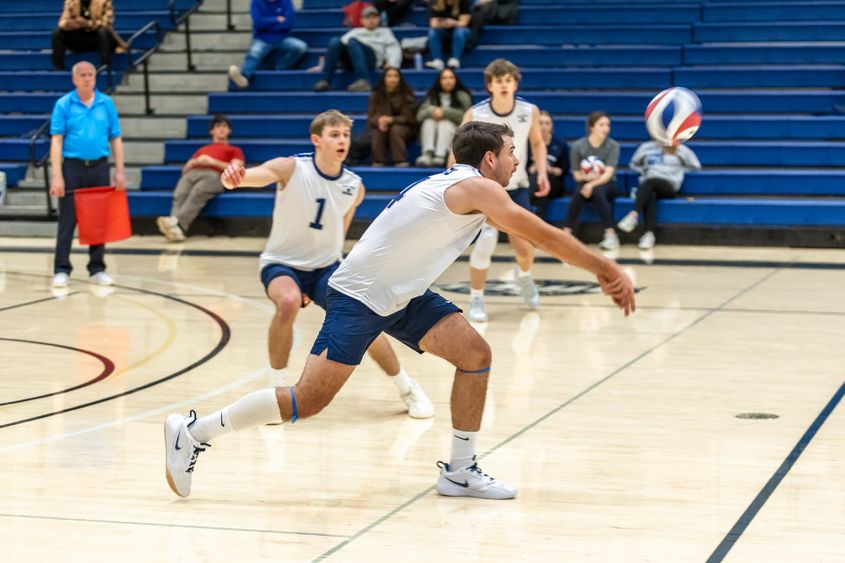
{"x": 391, "y": 119}
{"x": 272, "y": 44}
{"x": 200, "y": 179}
{"x": 394, "y": 10}
{"x": 364, "y": 49}
{"x": 486, "y": 12}
{"x": 595, "y": 186}
{"x": 439, "y": 115}
{"x": 85, "y": 26}
{"x": 557, "y": 154}
{"x": 661, "y": 170}
{"x": 448, "y": 21}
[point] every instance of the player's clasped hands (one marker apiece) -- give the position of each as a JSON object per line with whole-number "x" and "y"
{"x": 232, "y": 176}
{"x": 618, "y": 286}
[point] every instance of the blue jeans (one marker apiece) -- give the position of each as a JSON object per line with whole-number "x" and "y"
{"x": 436, "y": 37}
{"x": 279, "y": 56}
{"x": 355, "y": 54}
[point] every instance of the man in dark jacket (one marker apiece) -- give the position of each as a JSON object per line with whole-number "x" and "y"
{"x": 272, "y": 44}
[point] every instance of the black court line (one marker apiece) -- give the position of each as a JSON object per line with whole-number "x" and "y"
{"x": 523, "y": 430}
{"x": 225, "y": 335}
{"x": 538, "y": 259}
{"x": 36, "y": 301}
{"x": 108, "y": 369}
{"x": 734, "y": 534}
{"x": 171, "y": 525}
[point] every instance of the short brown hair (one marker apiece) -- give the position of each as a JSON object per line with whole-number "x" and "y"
{"x": 329, "y": 117}
{"x": 472, "y": 141}
{"x": 593, "y": 118}
{"x": 501, "y": 67}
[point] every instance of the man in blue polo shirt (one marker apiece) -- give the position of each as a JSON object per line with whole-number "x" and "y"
{"x": 83, "y": 125}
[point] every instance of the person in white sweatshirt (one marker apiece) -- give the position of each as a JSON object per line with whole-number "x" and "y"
{"x": 661, "y": 171}
{"x": 364, "y": 49}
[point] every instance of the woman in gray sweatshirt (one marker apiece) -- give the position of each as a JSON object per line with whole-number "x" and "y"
{"x": 661, "y": 171}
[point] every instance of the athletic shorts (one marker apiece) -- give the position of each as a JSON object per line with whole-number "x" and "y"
{"x": 312, "y": 283}
{"x": 350, "y": 326}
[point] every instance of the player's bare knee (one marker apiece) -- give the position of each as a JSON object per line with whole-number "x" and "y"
{"x": 287, "y": 306}
{"x": 310, "y": 401}
{"x": 478, "y": 356}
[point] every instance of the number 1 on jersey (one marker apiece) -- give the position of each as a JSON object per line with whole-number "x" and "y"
{"x": 315, "y": 224}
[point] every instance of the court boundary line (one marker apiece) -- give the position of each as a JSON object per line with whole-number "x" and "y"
{"x": 169, "y": 525}
{"x": 547, "y": 415}
{"x": 757, "y": 503}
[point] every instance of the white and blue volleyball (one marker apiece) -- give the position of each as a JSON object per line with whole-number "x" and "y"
{"x": 673, "y": 116}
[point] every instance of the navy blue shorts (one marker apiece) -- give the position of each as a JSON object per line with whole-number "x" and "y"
{"x": 350, "y": 326}
{"x": 521, "y": 197}
{"x": 313, "y": 284}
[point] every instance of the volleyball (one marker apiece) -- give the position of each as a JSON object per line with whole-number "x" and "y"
{"x": 673, "y": 116}
{"x": 592, "y": 164}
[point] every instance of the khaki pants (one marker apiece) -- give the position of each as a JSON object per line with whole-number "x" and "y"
{"x": 193, "y": 191}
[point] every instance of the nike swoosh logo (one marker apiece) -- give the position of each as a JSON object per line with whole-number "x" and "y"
{"x": 461, "y": 438}
{"x": 464, "y": 484}
{"x": 221, "y": 419}
{"x": 178, "y": 434}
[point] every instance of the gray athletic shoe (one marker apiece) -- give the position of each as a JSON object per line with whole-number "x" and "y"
{"x": 471, "y": 482}
{"x": 181, "y": 452}
{"x": 477, "y": 312}
{"x": 527, "y": 289}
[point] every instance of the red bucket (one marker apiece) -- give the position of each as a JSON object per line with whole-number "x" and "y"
{"x": 102, "y": 215}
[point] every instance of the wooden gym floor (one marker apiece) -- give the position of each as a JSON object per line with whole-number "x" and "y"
{"x": 622, "y": 434}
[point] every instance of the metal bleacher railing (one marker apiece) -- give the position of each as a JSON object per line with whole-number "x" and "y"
{"x": 176, "y": 18}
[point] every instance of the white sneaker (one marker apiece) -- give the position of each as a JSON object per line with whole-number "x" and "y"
{"x": 101, "y": 278}
{"x": 436, "y": 64}
{"x": 237, "y": 77}
{"x": 647, "y": 241}
{"x": 628, "y": 222}
{"x": 477, "y": 312}
{"x": 527, "y": 289}
{"x": 181, "y": 452}
{"x": 609, "y": 242}
{"x": 169, "y": 227}
{"x": 419, "y": 405}
{"x": 453, "y": 63}
{"x": 471, "y": 482}
{"x": 61, "y": 280}
{"x": 177, "y": 234}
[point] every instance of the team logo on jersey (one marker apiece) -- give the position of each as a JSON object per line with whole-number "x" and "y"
{"x": 522, "y": 118}
{"x": 509, "y": 288}
{"x": 349, "y": 189}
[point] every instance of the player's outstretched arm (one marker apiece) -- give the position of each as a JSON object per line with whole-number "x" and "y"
{"x": 488, "y": 197}
{"x": 276, "y": 170}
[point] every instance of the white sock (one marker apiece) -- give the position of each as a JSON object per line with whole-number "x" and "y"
{"x": 524, "y": 274}
{"x": 277, "y": 376}
{"x": 463, "y": 449}
{"x": 255, "y": 409}
{"x": 476, "y": 292}
{"x": 402, "y": 381}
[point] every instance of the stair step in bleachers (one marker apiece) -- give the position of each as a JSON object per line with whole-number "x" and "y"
{"x": 48, "y": 22}
{"x": 784, "y": 31}
{"x": 771, "y": 53}
{"x": 15, "y": 41}
{"x": 741, "y": 12}
{"x": 50, "y": 80}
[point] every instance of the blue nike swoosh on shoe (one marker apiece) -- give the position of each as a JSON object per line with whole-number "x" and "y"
{"x": 177, "y": 440}
{"x": 465, "y": 484}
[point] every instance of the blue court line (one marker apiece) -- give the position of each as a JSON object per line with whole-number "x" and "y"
{"x": 733, "y": 535}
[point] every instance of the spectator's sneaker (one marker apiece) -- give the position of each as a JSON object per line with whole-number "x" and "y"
{"x": 165, "y": 223}
{"x": 237, "y": 77}
{"x": 453, "y": 63}
{"x": 181, "y": 452}
{"x": 61, "y": 280}
{"x": 177, "y": 234}
{"x": 647, "y": 241}
{"x": 322, "y": 86}
{"x": 419, "y": 405}
{"x": 101, "y": 278}
{"x": 424, "y": 160}
{"x": 471, "y": 482}
{"x": 361, "y": 85}
{"x": 477, "y": 312}
{"x": 609, "y": 242}
{"x": 527, "y": 289}
{"x": 628, "y": 222}
{"x": 438, "y": 161}
{"x": 436, "y": 64}
{"x": 402, "y": 164}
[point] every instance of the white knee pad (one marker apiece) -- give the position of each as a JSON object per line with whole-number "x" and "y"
{"x": 484, "y": 248}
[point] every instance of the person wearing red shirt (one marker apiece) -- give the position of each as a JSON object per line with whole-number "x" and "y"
{"x": 200, "y": 179}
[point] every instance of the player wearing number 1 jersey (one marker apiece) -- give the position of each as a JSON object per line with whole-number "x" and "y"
{"x": 316, "y": 199}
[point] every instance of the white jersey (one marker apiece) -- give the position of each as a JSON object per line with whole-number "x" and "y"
{"x": 519, "y": 119}
{"x": 307, "y": 232}
{"x": 409, "y": 245}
